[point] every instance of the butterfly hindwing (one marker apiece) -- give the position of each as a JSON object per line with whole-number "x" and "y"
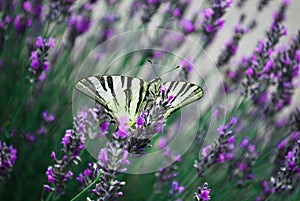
{"x": 183, "y": 92}
{"x": 120, "y": 95}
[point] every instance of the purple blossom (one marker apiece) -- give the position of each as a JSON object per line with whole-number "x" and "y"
{"x": 8, "y": 157}
{"x": 220, "y": 151}
{"x": 21, "y": 23}
{"x": 212, "y": 20}
{"x": 244, "y": 142}
{"x": 176, "y": 189}
{"x": 49, "y": 118}
{"x": 162, "y": 143}
{"x": 40, "y": 64}
{"x": 187, "y": 26}
{"x": 123, "y": 128}
{"x": 140, "y": 121}
{"x": 203, "y": 193}
{"x": 187, "y": 65}
{"x": 29, "y": 137}
{"x": 27, "y": 6}
{"x": 282, "y": 144}
{"x": 58, "y": 174}
{"x": 80, "y": 24}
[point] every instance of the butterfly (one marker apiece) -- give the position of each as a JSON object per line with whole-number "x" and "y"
{"x": 129, "y": 96}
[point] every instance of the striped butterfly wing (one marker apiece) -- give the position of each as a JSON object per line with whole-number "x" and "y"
{"x": 119, "y": 95}
{"x": 184, "y": 93}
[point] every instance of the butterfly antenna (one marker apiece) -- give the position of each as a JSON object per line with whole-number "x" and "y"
{"x": 153, "y": 67}
{"x": 170, "y": 70}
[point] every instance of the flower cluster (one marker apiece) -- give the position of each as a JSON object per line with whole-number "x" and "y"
{"x": 220, "y": 151}
{"x": 80, "y": 21}
{"x": 179, "y": 8}
{"x": 8, "y": 157}
{"x": 111, "y": 160}
{"x": 264, "y": 69}
{"x": 243, "y": 167}
{"x": 203, "y": 193}
{"x": 287, "y": 168}
{"x": 149, "y": 123}
{"x": 23, "y": 21}
{"x": 149, "y": 9}
{"x": 187, "y": 66}
{"x": 176, "y": 190}
{"x": 284, "y": 69}
{"x": 212, "y": 19}
{"x": 108, "y": 24}
{"x": 231, "y": 45}
{"x": 73, "y": 143}
{"x": 167, "y": 174}
{"x": 39, "y": 60}
{"x": 3, "y": 27}
{"x": 59, "y": 9}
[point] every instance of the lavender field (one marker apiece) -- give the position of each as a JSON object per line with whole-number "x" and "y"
{"x": 150, "y": 100}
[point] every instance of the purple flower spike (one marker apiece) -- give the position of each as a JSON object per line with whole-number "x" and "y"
{"x": 140, "y": 121}
{"x": 162, "y": 143}
{"x": 58, "y": 174}
{"x": 27, "y": 6}
{"x": 39, "y": 62}
{"x": 8, "y": 157}
{"x": 203, "y": 193}
{"x": 208, "y": 12}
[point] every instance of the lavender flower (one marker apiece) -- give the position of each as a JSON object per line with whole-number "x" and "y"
{"x": 49, "y": 118}
{"x": 283, "y": 70}
{"x": 108, "y": 27}
{"x": 39, "y": 60}
{"x": 287, "y": 174}
{"x": 59, "y": 9}
{"x": 243, "y": 167}
{"x": 187, "y": 66}
{"x": 8, "y": 157}
{"x": 179, "y": 8}
{"x": 73, "y": 143}
{"x": 176, "y": 190}
{"x": 80, "y": 22}
{"x": 220, "y": 151}
{"x": 21, "y": 22}
{"x": 152, "y": 122}
{"x": 203, "y": 193}
{"x": 29, "y": 137}
{"x": 111, "y": 161}
{"x": 212, "y": 19}
{"x": 4, "y": 22}
{"x": 149, "y": 8}
{"x": 231, "y": 45}
{"x": 167, "y": 174}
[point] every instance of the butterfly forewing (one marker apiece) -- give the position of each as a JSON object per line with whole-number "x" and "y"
{"x": 128, "y": 96}
{"x": 183, "y": 92}
{"x": 120, "y": 95}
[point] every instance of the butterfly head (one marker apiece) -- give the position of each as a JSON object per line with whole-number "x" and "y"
{"x": 155, "y": 86}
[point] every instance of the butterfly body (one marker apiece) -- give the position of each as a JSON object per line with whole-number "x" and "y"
{"x": 128, "y": 96}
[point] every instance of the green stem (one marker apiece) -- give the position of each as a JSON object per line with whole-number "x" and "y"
{"x": 89, "y": 186}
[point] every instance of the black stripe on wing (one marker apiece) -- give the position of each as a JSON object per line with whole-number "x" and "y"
{"x": 88, "y": 88}
{"x": 184, "y": 93}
